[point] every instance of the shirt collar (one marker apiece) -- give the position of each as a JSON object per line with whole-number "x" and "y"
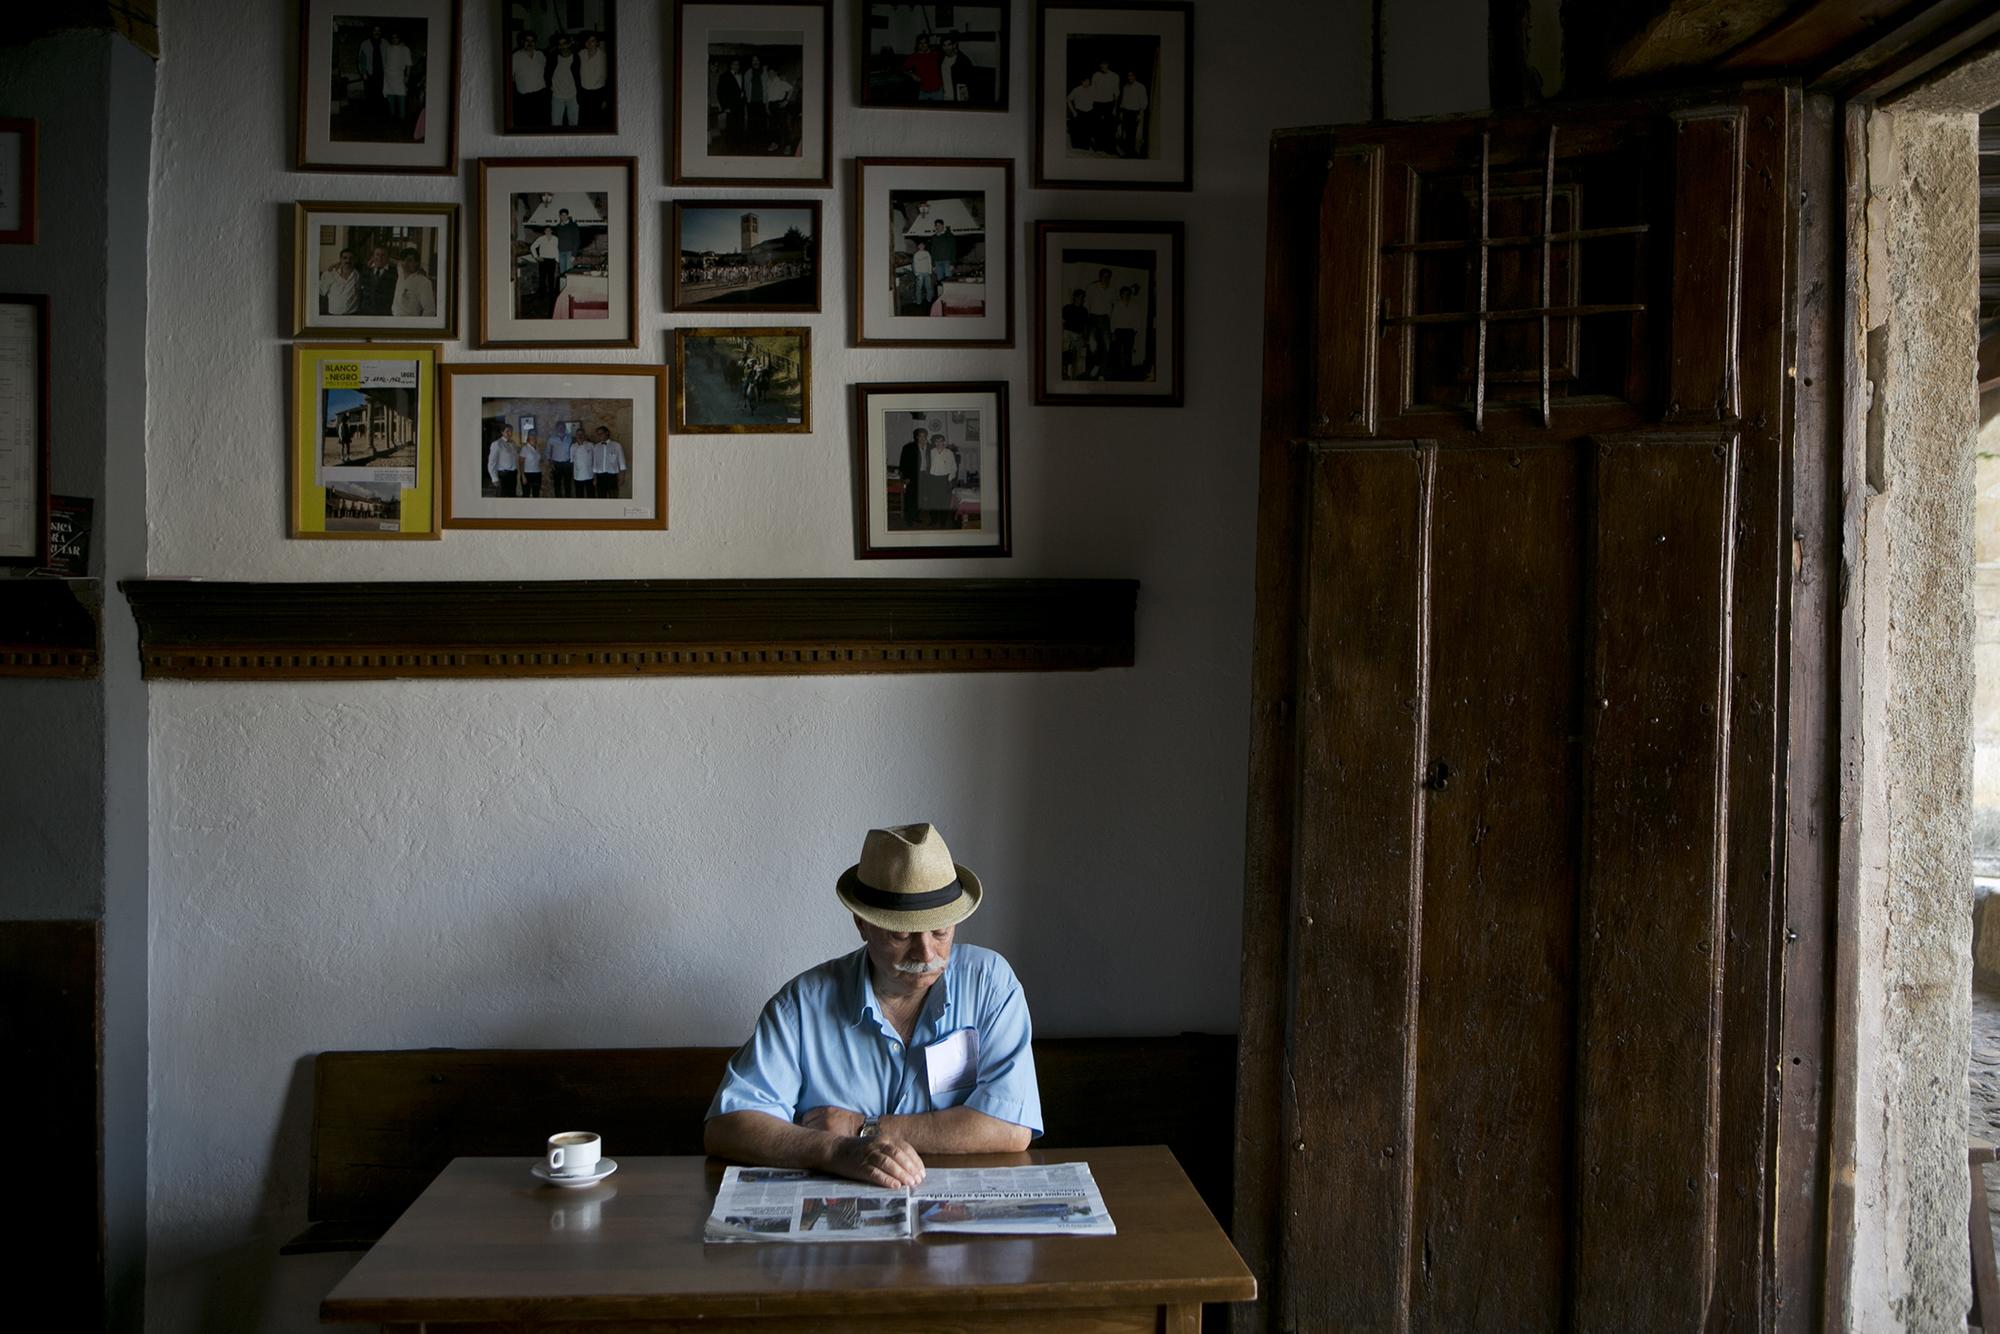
{"x": 867, "y": 1010}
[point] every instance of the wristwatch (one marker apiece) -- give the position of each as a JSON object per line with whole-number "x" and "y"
{"x": 871, "y": 1127}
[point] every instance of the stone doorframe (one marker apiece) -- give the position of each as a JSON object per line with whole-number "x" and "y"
{"x": 1898, "y": 1255}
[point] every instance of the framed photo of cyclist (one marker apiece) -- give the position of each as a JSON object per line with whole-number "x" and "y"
{"x": 743, "y": 381}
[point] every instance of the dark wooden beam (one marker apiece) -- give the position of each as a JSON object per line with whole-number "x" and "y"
{"x": 49, "y": 627}
{"x": 194, "y": 630}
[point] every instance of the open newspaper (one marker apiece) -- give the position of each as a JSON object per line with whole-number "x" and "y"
{"x": 791, "y": 1204}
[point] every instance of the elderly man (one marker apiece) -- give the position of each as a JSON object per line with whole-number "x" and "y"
{"x": 909, "y": 1045}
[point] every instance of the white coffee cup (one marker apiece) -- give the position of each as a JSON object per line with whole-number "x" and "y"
{"x": 574, "y": 1153}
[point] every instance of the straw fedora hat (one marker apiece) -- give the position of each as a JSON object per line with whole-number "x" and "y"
{"x": 907, "y": 881}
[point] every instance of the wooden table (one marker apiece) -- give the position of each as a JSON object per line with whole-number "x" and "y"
{"x": 486, "y": 1248}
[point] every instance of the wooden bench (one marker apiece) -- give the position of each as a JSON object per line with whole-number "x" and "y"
{"x": 386, "y": 1122}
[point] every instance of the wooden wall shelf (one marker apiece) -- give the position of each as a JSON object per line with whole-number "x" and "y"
{"x": 197, "y": 630}
{"x": 51, "y": 627}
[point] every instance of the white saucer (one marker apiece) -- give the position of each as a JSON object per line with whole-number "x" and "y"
{"x": 605, "y": 1167}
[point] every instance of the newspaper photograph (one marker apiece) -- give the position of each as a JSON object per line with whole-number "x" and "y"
{"x": 792, "y": 1204}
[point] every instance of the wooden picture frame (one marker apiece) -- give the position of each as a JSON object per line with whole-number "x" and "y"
{"x": 961, "y": 507}
{"x": 739, "y": 279}
{"x": 1084, "y": 140}
{"x": 19, "y": 205}
{"x": 743, "y": 380}
{"x": 482, "y": 404}
{"x": 891, "y": 76}
{"x": 362, "y": 228}
{"x": 1132, "y": 354}
{"x": 25, "y": 432}
{"x": 589, "y": 111}
{"x": 364, "y": 445}
{"x": 903, "y": 207}
{"x": 721, "y": 137}
{"x": 535, "y": 291}
{"x": 348, "y": 121}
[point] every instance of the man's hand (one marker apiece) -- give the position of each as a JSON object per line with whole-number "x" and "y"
{"x": 833, "y": 1120}
{"x": 882, "y": 1161}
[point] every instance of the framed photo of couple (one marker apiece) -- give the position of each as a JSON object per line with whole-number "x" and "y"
{"x": 753, "y": 93}
{"x": 556, "y": 259}
{"x": 1109, "y": 323}
{"x": 931, "y": 470}
{"x": 936, "y": 57}
{"x": 934, "y": 252}
{"x": 1114, "y": 94}
{"x": 378, "y": 86}
{"x": 374, "y": 270}
{"x": 364, "y": 440}
{"x": 554, "y": 446}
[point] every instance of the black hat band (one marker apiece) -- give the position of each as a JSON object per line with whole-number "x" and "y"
{"x": 893, "y": 902}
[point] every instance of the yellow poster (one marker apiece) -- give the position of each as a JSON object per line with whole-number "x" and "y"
{"x": 364, "y": 448}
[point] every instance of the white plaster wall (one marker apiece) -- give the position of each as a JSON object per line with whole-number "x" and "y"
{"x": 641, "y": 862}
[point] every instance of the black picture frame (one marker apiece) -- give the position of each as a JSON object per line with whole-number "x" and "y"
{"x": 1099, "y": 150}
{"x": 34, "y": 395}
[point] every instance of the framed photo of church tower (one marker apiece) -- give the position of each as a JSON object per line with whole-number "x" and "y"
{"x": 747, "y": 256}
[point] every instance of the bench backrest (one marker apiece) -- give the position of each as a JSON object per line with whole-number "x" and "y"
{"x": 386, "y": 1122}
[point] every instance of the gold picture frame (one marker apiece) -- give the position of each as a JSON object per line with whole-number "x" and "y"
{"x": 364, "y": 441}
{"x": 743, "y": 380}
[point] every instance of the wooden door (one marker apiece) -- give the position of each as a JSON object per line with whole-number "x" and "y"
{"x": 1514, "y": 1049}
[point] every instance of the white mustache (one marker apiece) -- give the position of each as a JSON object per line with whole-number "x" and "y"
{"x": 919, "y": 969}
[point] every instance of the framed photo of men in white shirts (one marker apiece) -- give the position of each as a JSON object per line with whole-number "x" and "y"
{"x": 1114, "y": 94}
{"x": 374, "y": 270}
{"x": 1108, "y": 318}
{"x": 753, "y": 93}
{"x": 556, "y": 258}
{"x": 378, "y": 86}
{"x": 554, "y": 445}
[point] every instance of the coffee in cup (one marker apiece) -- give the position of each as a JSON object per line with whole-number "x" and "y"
{"x": 574, "y": 1153}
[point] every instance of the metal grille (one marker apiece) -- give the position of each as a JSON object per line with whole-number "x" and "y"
{"x": 1540, "y": 239}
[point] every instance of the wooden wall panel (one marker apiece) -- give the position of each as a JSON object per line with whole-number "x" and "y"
{"x": 1496, "y": 1012}
{"x": 1348, "y": 296}
{"x": 1707, "y": 286}
{"x": 1355, "y": 925}
{"x": 1649, "y": 1032}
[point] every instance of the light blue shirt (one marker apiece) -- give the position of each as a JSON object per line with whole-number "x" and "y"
{"x": 824, "y": 1041}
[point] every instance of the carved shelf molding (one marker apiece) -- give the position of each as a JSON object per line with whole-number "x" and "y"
{"x": 195, "y": 630}
{"x": 51, "y": 627}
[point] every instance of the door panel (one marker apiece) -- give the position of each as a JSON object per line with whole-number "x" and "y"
{"x": 1353, "y": 968}
{"x": 1499, "y": 907}
{"x": 1651, "y": 936}
{"x": 1514, "y": 885}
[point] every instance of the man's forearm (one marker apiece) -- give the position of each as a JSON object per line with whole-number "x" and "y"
{"x": 753, "y": 1137}
{"x": 957, "y": 1130}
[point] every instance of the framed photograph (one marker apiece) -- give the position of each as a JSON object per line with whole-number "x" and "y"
{"x": 930, "y": 470}
{"x": 374, "y": 270}
{"x": 1114, "y": 94}
{"x": 24, "y": 430}
{"x": 743, "y": 381}
{"x": 364, "y": 440}
{"x": 752, "y": 256}
{"x": 753, "y": 93}
{"x": 17, "y": 181}
{"x": 1108, "y": 318}
{"x": 934, "y": 252}
{"x": 935, "y": 57}
{"x": 559, "y": 68}
{"x": 556, "y": 259}
{"x": 554, "y": 446}
{"x": 378, "y": 86}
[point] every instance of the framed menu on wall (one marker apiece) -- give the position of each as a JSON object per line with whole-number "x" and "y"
{"x": 24, "y": 430}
